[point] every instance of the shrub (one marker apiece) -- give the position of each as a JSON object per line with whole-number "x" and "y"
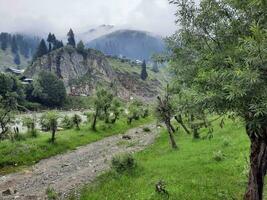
{"x": 51, "y": 193}
{"x": 146, "y": 129}
{"x": 226, "y": 142}
{"x": 30, "y": 124}
{"x": 76, "y": 120}
{"x": 66, "y": 123}
{"x": 218, "y": 156}
{"x": 123, "y": 163}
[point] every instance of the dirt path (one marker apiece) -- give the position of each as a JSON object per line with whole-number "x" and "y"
{"x": 71, "y": 170}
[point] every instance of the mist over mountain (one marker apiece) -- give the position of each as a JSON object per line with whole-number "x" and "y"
{"x": 132, "y": 44}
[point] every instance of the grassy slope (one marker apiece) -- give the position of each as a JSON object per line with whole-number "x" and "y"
{"x": 117, "y": 65}
{"x": 190, "y": 173}
{"x": 14, "y": 156}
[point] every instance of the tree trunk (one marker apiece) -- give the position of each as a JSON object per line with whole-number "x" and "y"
{"x": 258, "y": 166}
{"x": 53, "y": 135}
{"x": 94, "y": 121}
{"x": 180, "y": 121}
{"x": 171, "y": 136}
{"x": 196, "y": 133}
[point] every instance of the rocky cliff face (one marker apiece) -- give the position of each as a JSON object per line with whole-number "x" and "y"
{"x": 83, "y": 72}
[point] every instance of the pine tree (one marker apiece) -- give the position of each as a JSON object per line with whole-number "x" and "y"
{"x": 41, "y": 50}
{"x": 71, "y": 38}
{"x": 14, "y": 46}
{"x": 80, "y": 47}
{"x": 50, "y": 41}
{"x": 17, "y": 59}
{"x": 144, "y": 74}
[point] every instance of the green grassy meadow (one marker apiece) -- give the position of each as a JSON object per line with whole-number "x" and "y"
{"x": 19, "y": 154}
{"x": 190, "y": 173}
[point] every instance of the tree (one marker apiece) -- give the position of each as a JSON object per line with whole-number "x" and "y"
{"x": 41, "y": 50}
{"x": 115, "y": 109}
{"x": 76, "y": 120}
{"x": 164, "y": 112}
{"x": 4, "y": 39}
{"x": 30, "y": 123}
{"x": 17, "y": 59}
{"x": 80, "y": 47}
{"x": 14, "y": 46}
{"x": 219, "y": 54}
{"x": 144, "y": 72}
{"x": 49, "y": 90}
{"x": 50, "y": 40}
{"x": 71, "y": 38}
{"x": 52, "y": 122}
{"x": 102, "y": 102}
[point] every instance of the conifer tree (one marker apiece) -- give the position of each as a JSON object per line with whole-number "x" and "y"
{"x": 14, "y": 46}
{"x": 41, "y": 50}
{"x": 50, "y": 41}
{"x": 71, "y": 38}
{"x": 144, "y": 74}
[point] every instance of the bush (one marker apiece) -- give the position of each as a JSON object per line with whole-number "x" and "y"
{"x": 123, "y": 163}
{"x": 51, "y": 193}
{"x": 146, "y": 129}
{"x": 226, "y": 142}
{"x": 66, "y": 123}
{"x": 218, "y": 156}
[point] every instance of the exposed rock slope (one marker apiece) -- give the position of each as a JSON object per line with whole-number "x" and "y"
{"x": 83, "y": 72}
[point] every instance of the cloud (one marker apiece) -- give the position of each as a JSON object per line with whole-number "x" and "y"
{"x": 40, "y": 17}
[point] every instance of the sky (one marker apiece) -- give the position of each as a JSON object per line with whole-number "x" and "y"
{"x": 57, "y": 16}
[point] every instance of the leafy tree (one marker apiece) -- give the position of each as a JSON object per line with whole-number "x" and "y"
{"x": 134, "y": 111}
{"x": 144, "y": 74}
{"x": 49, "y": 90}
{"x": 52, "y": 122}
{"x": 115, "y": 109}
{"x": 41, "y": 50}
{"x": 219, "y": 54}
{"x": 102, "y": 102}
{"x": 71, "y": 38}
{"x": 66, "y": 122}
{"x": 76, "y": 120}
{"x": 164, "y": 112}
{"x": 30, "y": 123}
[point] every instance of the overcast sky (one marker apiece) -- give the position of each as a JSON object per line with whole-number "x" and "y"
{"x": 42, "y": 16}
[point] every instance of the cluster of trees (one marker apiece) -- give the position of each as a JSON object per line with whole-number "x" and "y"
{"x": 219, "y": 65}
{"x": 19, "y": 45}
{"x": 52, "y": 43}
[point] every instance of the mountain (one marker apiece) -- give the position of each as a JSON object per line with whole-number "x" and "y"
{"x": 96, "y": 32}
{"x": 83, "y": 72}
{"x": 132, "y": 44}
{"x": 16, "y": 50}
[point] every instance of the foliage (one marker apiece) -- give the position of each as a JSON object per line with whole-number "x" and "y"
{"x": 51, "y": 122}
{"x": 49, "y": 90}
{"x": 134, "y": 109}
{"x": 41, "y": 50}
{"x": 66, "y": 122}
{"x": 13, "y": 155}
{"x": 219, "y": 56}
{"x": 123, "y": 163}
{"x": 71, "y": 39}
{"x": 144, "y": 74}
{"x": 30, "y": 123}
{"x": 51, "y": 193}
{"x": 76, "y": 120}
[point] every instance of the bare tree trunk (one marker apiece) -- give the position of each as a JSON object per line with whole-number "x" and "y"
{"x": 180, "y": 121}
{"x": 258, "y": 166}
{"x": 94, "y": 121}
